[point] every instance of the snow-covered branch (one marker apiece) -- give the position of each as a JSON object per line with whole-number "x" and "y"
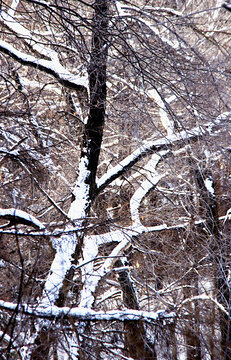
{"x": 15, "y": 217}
{"x": 127, "y": 12}
{"x": 84, "y": 314}
{"x": 7, "y": 19}
{"x": 156, "y": 146}
{"x": 112, "y": 236}
{"x": 4, "y": 337}
{"x": 123, "y": 9}
{"x": 66, "y": 245}
{"x": 204, "y": 297}
{"x": 51, "y": 64}
{"x": 50, "y": 67}
{"x": 151, "y": 181}
{"x": 227, "y": 6}
{"x": 91, "y": 278}
{"x": 153, "y": 95}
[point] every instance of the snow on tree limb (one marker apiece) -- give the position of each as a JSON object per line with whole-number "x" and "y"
{"x": 13, "y": 8}
{"x": 15, "y": 217}
{"x": 157, "y": 145}
{"x": 227, "y": 6}
{"x": 91, "y": 278}
{"x": 151, "y": 181}
{"x": 21, "y": 32}
{"x": 204, "y": 297}
{"x": 122, "y": 9}
{"x": 62, "y": 262}
{"x": 50, "y": 67}
{"x": 81, "y": 191}
{"x": 153, "y": 95}
{"x": 112, "y": 236}
{"x": 85, "y": 314}
{"x": 66, "y": 245}
{"x": 5, "y": 337}
{"x": 126, "y": 12}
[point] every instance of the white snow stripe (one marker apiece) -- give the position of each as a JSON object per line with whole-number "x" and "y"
{"x": 157, "y": 145}
{"x": 20, "y": 216}
{"x": 52, "y": 67}
{"x": 80, "y": 313}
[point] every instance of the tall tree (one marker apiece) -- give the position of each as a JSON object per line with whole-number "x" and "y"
{"x": 134, "y": 98}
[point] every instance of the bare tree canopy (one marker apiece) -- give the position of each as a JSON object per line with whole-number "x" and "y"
{"x": 115, "y": 180}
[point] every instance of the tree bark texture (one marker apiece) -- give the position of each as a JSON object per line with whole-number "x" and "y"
{"x": 97, "y": 70}
{"x": 93, "y": 135}
{"x": 216, "y": 250}
{"x": 136, "y": 342}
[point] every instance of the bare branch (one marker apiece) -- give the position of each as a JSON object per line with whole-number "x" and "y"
{"x": 50, "y": 67}
{"x": 15, "y": 216}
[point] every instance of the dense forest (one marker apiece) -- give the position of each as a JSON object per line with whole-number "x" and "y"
{"x": 115, "y": 174}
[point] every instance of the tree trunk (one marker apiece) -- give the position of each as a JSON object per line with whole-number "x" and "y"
{"x": 192, "y": 323}
{"x": 98, "y": 91}
{"x": 91, "y": 146}
{"x": 217, "y": 252}
{"x": 136, "y": 342}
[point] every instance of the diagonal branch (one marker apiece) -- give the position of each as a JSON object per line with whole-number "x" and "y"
{"x": 163, "y": 143}
{"x": 50, "y": 67}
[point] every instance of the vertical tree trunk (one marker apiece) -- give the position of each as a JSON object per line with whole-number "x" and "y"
{"x": 192, "y": 327}
{"x": 224, "y": 298}
{"x": 84, "y": 191}
{"x": 217, "y": 252}
{"x": 93, "y": 132}
{"x": 98, "y": 91}
{"x": 173, "y": 341}
{"x": 136, "y": 341}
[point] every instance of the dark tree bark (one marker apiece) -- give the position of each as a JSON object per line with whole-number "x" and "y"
{"x": 217, "y": 253}
{"x": 136, "y": 341}
{"x": 93, "y": 134}
{"x": 192, "y": 323}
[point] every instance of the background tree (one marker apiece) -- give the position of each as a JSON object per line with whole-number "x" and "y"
{"x": 131, "y": 259}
